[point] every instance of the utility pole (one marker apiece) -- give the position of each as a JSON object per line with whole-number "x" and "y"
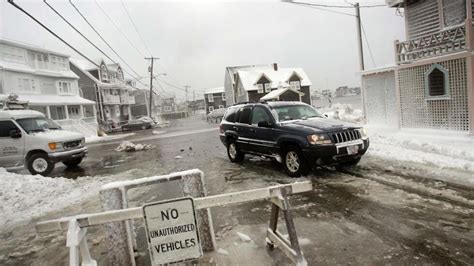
{"x": 150, "y": 69}
{"x": 359, "y": 36}
{"x": 186, "y": 87}
{"x": 194, "y": 102}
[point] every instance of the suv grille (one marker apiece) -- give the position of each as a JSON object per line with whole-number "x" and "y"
{"x": 344, "y": 136}
{"x": 72, "y": 144}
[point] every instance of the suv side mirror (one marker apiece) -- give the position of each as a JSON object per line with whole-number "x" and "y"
{"x": 326, "y": 115}
{"x": 15, "y": 133}
{"x": 264, "y": 124}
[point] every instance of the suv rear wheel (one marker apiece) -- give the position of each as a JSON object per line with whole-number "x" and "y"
{"x": 235, "y": 155}
{"x": 39, "y": 163}
{"x": 294, "y": 163}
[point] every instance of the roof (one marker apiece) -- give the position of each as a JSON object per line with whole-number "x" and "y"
{"x": 30, "y": 47}
{"x": 233, "y": 69}
{"x": 273, "y": 95}
{"x": 279, "y": 78}
{"x": 113, "y": 67}
{"x": 381, "y": 69}
{"x": 79, "y": 64}
{"x": 18, "y": 114}
{"x": 86, "y": 65}
{"x": 49, "y": 99}
{"x": 215, "y": 90}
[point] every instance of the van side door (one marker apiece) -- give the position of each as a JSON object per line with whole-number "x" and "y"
{"x": 12, "y": 144}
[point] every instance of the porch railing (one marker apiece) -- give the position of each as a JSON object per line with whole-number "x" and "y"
{"x": 443, "y": 42}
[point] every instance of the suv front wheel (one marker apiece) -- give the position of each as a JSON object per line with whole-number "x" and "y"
{"x": 294, "y": 163}
{"x": 235, "y": 155}
{"x": 39, "y": 163}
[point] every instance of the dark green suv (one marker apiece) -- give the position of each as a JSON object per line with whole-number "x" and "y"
{"x": 293, "y": 133}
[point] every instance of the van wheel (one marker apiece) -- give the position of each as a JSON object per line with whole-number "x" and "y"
{"x": 39, "y": 163}
{"x": 73, "y": 162}
{"x": 294, "y": 163}
{"x": 235, "y": 155}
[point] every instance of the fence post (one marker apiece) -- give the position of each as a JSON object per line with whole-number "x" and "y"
{"x": 118, "y": 235}
{"x": 193, "y": 185}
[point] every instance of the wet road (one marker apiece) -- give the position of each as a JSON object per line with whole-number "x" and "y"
{"x": 371, "y": 214}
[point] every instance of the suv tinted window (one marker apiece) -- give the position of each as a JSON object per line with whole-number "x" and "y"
{"x": 258, "y": 115}
{"x": 5, "y": 128}
{"x": 230, "y": 115}
{"x": 245, "y": 115}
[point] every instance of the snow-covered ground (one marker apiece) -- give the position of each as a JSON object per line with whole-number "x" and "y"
{"x": 95, "y": 139}
{"x": 437, "y": 148}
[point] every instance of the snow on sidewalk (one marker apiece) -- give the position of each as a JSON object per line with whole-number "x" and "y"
{"x": 24, "y": 197}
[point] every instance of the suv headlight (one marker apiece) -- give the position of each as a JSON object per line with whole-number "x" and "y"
{"x": 316, "y": 139}
{"x": 363, "y": 133}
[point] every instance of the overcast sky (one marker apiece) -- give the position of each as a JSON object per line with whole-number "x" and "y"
{"x": 196, "y": 40}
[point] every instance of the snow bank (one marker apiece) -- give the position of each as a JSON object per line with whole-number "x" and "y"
{"x": 130, "y": 147}
{"x": 442, "y": 149}
{"x": 96, "y": 139}
{"x": 24, "y": 197}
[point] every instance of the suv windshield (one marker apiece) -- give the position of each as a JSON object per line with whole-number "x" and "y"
{"x": 37, "y": 124}
{"x": 295, "y": 112}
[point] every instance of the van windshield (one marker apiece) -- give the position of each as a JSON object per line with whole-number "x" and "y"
{"x": 37, "y": 124}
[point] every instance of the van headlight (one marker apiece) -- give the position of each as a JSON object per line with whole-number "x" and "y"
{"x": 55, "y": 146}
{"x": 363, "y": 133}
{"x": 317, "y": 139}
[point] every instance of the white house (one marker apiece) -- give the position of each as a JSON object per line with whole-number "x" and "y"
{"x": 43, "y": 79}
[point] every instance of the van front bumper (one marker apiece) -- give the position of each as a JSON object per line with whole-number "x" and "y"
{"x": 68, "y": 155}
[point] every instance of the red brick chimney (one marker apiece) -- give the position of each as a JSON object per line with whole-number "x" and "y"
{"x": 275, "y": 66}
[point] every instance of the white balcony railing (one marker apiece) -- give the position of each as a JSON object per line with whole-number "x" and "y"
{"x": 436, "y": 44}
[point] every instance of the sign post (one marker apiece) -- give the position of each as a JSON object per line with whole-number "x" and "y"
{"x": 172, "y": 232}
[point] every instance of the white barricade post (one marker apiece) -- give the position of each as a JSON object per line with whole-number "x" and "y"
{"x": 77, "y": 225}
{"x": 120, "y": 236}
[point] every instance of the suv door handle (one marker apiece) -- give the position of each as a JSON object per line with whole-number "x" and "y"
{"x": 235, "y": 128}
{"x": 252, "y": 130}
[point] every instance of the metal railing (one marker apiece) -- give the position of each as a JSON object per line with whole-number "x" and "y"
{"x": 443, "y": 42}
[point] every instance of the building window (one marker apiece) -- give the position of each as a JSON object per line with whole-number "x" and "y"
{"x": 210, "y": 98}
{"x": 211, "y": 108}
{"x": 221, "y": 106}
{"x": 437, "y": 82}
{"x": 295, "y": 85}
{"x": 74, "y": 111}
{"x": 58, "y": 62}
{"x": 57, "y": 112}
{"x": 12, "y": 54}
{"x": 454, "y": 12}
{"x": 103, "y": 73}
{"x": 120, "y": 74}
{"x": 27, "y": 85}
{"x": 167, "y": 108}
{"x": 65, "y": 87}
{"x": 223, "y": 96}
{"x": 259, "y": 88}
{"x": 267, "y": 87}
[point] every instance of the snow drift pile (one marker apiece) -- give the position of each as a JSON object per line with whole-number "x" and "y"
{"x": 344, "y": 112}
{"x": 128, "y": 146}
{"x": 25, "y": 196}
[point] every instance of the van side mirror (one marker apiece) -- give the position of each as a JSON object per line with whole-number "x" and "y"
{"x": 326, "y": 115}
{"x": 265, "y": 124}
{"x": 15, "y": 133}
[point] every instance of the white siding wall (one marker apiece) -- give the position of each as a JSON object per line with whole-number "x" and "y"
{"x": 45, "y": 85}
{"x": 380, "y": 98}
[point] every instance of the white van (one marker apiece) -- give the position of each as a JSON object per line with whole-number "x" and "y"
{"x": 28, "y": 138}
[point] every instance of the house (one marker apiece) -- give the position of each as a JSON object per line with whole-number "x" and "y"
{"x": 44, "y": 79}
{"x": 214, "y": 98}
{"x": 105, "y": 84}
{"x": 251, "y": 84}
{"x": 142, "y": 102}
{"x": 431, "y": 84}
{"x": 168, "y": 105}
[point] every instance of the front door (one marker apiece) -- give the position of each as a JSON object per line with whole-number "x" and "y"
{"x": 11, "y": 149}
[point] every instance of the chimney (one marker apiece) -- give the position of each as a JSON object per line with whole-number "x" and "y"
{"x": 275, "y": 66}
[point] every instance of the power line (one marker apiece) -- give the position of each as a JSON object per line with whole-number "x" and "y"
{"x": 50, "y": 31}
{"x": 92, "y": 27}
{"x": 334, "y": 6}
{"x": 118, "y": 28}
{"x": 135, "y": 27}
{"x": 368, "y": 45}
{"x": 80, "y": 33}
{"x": 322, "y": 9}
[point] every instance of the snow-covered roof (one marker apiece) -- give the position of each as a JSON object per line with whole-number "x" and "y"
{"x": 24, "y": 68}
{"x": 86, "y": 65}
{"x": 380, "y": 69}
{"x": 113, "y": 67}
{"x": 81, "y": 63}
{"x": 233, "y": 69}
{"x": 50, "y": 99}
{"x": 278, "y": 78}
{"x": 273, "y": 95}
{"x": 215, "y": 90}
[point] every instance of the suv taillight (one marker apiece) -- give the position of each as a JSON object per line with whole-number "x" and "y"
{"x": 221, "y": 129}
